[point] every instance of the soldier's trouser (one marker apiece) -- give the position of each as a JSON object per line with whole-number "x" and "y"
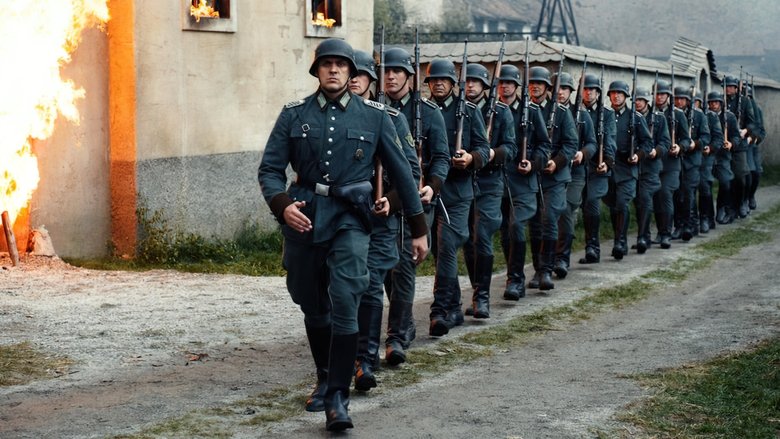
{"x": 448, "y": 238}
{"x": 544, "y": 224}
{"x": 488, "y": 220}
{"x": 685, "y": 202}
{"x": 335, "y": 272}
{"x": 643, "y": 203}
{"x": 741, "y": 171}
{"x": 663, "y": 201}
{"x": 568, "y": 218}
{"x": 617, "y": 198}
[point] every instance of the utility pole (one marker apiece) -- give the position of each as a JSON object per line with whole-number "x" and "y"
{"x": 563, "y": 9}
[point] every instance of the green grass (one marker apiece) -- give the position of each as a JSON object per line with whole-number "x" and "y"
{"x": 735, "y": 396}
{"x": 21, "y": 363}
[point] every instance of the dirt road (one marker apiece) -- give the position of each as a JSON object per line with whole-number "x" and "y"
{"x": 139, "y": 341}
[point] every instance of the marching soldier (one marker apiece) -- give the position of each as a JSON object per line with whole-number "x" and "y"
{"x": 699, "y": 133}
{"x": 754, "y": 154}
{"x": 587, "y": 148}
{"x": 331, "y": 139}
{"x": 709, "y": 152}
{"x": 383, "y": 248}
{"x": 722, "y": 169}
{"x": 748, "y": 130}
{"x": 520, "y": 202}
{"x": 450, "y": 230}
{"x": 649, "y": 167}
{"x": 632, "y": 144}
{"x": 663, "y": 201}
{"x": 486, "y": 220}
{"x": 599, "y": 172}
{"x": 435, "y": 162}
{"x": 555, "y": 176}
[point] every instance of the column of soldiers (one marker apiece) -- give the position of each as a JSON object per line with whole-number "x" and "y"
{"x": 377, "y": 183}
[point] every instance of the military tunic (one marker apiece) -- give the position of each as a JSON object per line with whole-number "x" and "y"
{"x": 598, "y": 184}
{"x": 330, "y": 144}
{"x": 663, "y": 200}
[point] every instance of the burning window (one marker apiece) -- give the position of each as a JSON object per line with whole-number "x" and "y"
{"x": 209, "y": 15}
{"x": 326, "y": 18}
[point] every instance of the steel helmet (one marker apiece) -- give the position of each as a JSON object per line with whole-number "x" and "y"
{"x": 441, "y": 68}
{"x": 592, "y": 81}
{"x": 644, "y": 93}
{"x": 510, "y": 73}
{"x": 715, "y": 96}
{"x": 399, "y": 58}
{"x": 682, "y": 92}
{"x": 478, "y": 71}
{"x": 333, "y": 47}
{"x": 730, "y": 80}
{"x": 540, "y": 74}
{"x": 365, "y": 63}
{"x": 663, "y": 87}
{"x": 620, "y": 86}
{"x": 567, "y": 81}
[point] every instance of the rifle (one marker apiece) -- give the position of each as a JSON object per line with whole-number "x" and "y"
{"x": 632, "y": 128}
{"x": 524, "y": 102}
{"x": 723, "y": 119}
{"x": 494, "y": 89}
{"x": 551, "y": 122}
{"x": 380, "y": 97}
{"x": 578, "y": 100}
{"x": 417, "y": 128}
{"x": 460, "y": 112}
{"x": 652, "y": 113}
{"x": 739, "y": 99}
{"x": 673, "y": 122}
{"x": 600, "y": 114}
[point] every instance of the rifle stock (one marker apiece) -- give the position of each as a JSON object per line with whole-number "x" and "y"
{"x": 524, "y": 98}
{"x": 600, "y": 118}
{"x": 632, "y": 128}
{"x": 380, "y": 97}
{"x": 460, "y": 113}
{"x": 418, "y": 137}
{"x": 581, "y": 87}
{"x": 554, "y": 99}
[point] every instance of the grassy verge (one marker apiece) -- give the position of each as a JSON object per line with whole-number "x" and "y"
{"x": 735, "y": 396}
{"x": 284, "y": 403}
{"x": 21, "y": 363}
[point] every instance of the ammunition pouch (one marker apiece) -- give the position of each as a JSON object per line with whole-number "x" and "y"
{"x": 357, "y": 196}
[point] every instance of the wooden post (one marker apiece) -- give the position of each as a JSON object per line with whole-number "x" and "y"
{"x": 10, "y": 239}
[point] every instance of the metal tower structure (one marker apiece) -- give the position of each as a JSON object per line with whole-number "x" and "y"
{"x": 567, "y": 32}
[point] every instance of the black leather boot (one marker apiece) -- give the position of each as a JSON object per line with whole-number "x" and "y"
{"x": 618, "y": 223}
{"x": 515, "y": 277}
{"x": 343, "y": 349}
{"x": 536, "y": 246}
{"x": 563, "y": 256}
{"x": 547, "y": 262}
{"x": 643, "y": 222}
{"x": 319, "y": 343}
{"x": 442, "y": 306}
{"x": 754, "y": 180}
{"x": 455, "y": 312}
{"x": 592, "y": 244}
{"x": 370, "y": 327}
{"x": 665, "y": 230}
{"x": 399, "y": 317}
{"x": 481, "y": 298}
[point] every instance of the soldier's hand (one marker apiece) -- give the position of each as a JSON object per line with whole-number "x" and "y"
{"x": 727, "y": 145}
{"x": 462, "y": 159}
{"x": 492, "y": 155}
{"x": 294, "y": 218}
{"x": 706, "y": 150}
{"x": 382, "y": 207}
{"x": 674, "y": 150}
{"x": 653, "y": 153}
{"x": 524, "y": 167}
{"x": 419, "y": 249}
{"x": 550, "y": 168}
{"x": 426, "y": 195}
{"x": 743, "y": 132}
{"x": 634, "y": 159}
{"x": 602, "y": 168}
{"x": 577, "y": 158}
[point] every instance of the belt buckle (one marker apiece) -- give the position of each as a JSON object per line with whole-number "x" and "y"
{"x": 322, "y": 189}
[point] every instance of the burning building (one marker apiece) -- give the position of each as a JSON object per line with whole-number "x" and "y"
{"x": 173, "y": 104}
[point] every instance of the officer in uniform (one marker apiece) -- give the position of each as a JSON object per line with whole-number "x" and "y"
{"x": 722, "y": 169}
{"x": 485, "y": 215}
{"x": 748, "y": 130}
{"x": 649, "y": 167}
{"x": 434, "y": 156}
{"x": 522, "y": 174}
{"x": 331, "y": 140}
{"x": 599, "y": 168}
{"x": 587, "y": 148}
{"x": 754, "y": 154}
{"x": 555, "y": 175}
{"x": 633, "y": 143}
{"x": 383, "y": 248}
{"x": 663, "y": 201}
{"x": 699, "y": 133}
{"x": 450, "y": 229}
{"x": 706, "y": 206}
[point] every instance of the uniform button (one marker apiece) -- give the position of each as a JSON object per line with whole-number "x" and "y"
{"x": 330, "y": 140}
{"x": 328, "y": 152}
{"x": 362, "y": 138}
{"x": 333, "y": 118}
{"x": 331, "y": 128}
{"x": 303, "y": 135}
{"x": 333, "y": 108}
{"x": 327, "y": 163}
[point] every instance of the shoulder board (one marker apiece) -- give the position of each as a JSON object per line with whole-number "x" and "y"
{"x": 430, "y": 104}
{"x": 500, "y": 104}
{"x": 471, "y": 104}
{"x": 533, "y": 105}
{"x": 376, "y": 105}
{"x": 678, "y": 110}
{"x": 294, "y": 104}
{"x": 392, "y": 111}
{"x": 562, "y": 107}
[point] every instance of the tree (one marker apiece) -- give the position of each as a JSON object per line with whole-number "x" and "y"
{"x": 392, "y": 14}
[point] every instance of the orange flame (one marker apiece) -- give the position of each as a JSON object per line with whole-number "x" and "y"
{"x": 36, "y": 39}
{"x": 203, "y": 10}
{"x": 322, "y": 21}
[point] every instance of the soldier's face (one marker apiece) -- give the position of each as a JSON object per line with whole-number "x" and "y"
{"x": 537, "y": 90}
{"x": 641, "y": 105}
{"x": 333, "y": 73}
{"x": 590, "y": 96}
{"x": 440, "y": 87}
{"x": 714, "y": 106}
{"x": 508, "y": 90}
{"x": 680, "y": 102}
{"x": 474, "y": 89}
{"x": 395, "y": 81}
{"x": 564, "y": 93}
{"x": 359, "y": 84}
{"x": 731, "y": 90}
{"x": 617, "y": 99}
{"x": 661, "y": 99}
{"x": 697, "y": 104}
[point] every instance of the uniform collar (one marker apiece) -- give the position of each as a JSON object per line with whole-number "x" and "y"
{"x": 447, "y": 101}
{"x": 481, "y": 102}
{"x": 341, "y": 101}
{"x": 620, "y": 110}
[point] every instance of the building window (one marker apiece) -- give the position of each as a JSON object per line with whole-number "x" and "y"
{"x": 325, "y": 18}
{"x": 209, "y": 15}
